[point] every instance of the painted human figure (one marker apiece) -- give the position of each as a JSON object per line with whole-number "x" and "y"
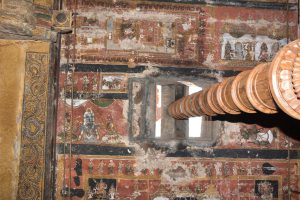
{"x": 239, "y": 51}
{"x": 67, "y": 121}
{"x": 112, "y": 136}
{"x": 266, "y": 190}
{"x": 112, "y": 192}
{"x": 227, "y": 54}
{"x": 128, "y": 168}
{"x": 91, "y": 167}
{"x": 249, "y": 51}
{"x": 68, "y": 82}
{"x": 95, "y": 83}
{"x": 89, "y": 132}
{"x": 78, "y": 167}
{"x": 85, "y": 82}
{"x": 120, "y": 167}
{"x": 263, "y": 56}
{"x": 111, "y": 167}
{"x": 101, "y": 167}
{"x": 101, "y": 188}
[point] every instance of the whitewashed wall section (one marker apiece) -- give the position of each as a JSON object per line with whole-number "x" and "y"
{"x": 251, "y": 48}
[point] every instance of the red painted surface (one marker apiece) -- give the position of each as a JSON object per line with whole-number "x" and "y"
{"x": 142, "y": 175}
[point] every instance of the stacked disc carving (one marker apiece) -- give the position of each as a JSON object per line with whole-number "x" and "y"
{"x": 285, "y": 79}
{"x": 266, "y": 88}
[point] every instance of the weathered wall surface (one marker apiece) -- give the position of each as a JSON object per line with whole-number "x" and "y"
{"x": 248, "y": 161}
{"x": 245, "y": 159}
{"x": 175, "y": 34}
{"x": 11, "y": 94}
{"x": 21, "y": 19}
{"x": 12, "y": 73}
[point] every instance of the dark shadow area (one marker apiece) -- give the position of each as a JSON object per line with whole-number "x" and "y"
{"x": 287, "y": 124}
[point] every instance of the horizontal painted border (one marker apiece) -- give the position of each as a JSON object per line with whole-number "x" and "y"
{"x": 88, "y": 149}
{"x": 78, "y": 95}
{"x": 191, "y": 71}
{"x": 238, "y": 153}
{"x": 237, "y": 3}
{"x": 103, "y": 68}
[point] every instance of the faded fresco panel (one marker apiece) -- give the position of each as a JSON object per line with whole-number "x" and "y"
{"x": 95, "y": 122}
{"x": 131, "y": 31}
{"x": 96, "y": 177}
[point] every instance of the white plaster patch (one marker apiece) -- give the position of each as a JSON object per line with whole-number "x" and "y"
{"x": 231, "y": 127}
{"x": 152, "y": 159}
{"x": 150, "y": 70}
{"x": 218, "y": 168}
{"x": 231, "y": 134}
{"x": 200, "y": 170}
{"x": 177, "y": 173}
{"x": 125, "y": 109}
{"x": 76, "y": 102}
{"x": 161, "y": 198}
{"x": 89, "y": 40}
{"x": 186, "y": 26}
{"x": 261, "y": 23}
{"x": 209, "y": 59}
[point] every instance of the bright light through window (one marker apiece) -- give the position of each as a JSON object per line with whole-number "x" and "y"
{"x": 195, "y": 123}
{"x": 158, "y": 112}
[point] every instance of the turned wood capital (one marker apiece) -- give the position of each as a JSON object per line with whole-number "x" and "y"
{"x": 266, "y": 88}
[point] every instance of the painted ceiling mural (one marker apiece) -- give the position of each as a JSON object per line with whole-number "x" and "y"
{"x": 96, "y": 158}
{"x": 177, "y": 34}
{"x": 155, "y": 33}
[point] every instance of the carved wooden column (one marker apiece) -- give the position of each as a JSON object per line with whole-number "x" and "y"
{"x": 266, "y": 88}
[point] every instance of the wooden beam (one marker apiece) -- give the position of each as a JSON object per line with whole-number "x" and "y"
{"x": 266, "y": 88}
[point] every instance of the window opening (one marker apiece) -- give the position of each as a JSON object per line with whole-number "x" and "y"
{"x": 158, "y": 111}
{"x": 149, "y": 118}
{"x": 195, "y": 123}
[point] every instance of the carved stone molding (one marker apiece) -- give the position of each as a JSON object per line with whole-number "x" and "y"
{"x": 32, "y": 161}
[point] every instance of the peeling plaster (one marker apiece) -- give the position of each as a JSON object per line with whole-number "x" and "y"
{"x": 261, "y": 23}
{"x": 209, "y": 59}
{"x": 227, "y": 137}
{"x": 218, "y": 167}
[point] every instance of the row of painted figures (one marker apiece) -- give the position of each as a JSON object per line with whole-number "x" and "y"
{"x": 89, "y": 82}
{"x": 122, "y": 168}
{"x": 246, "y": 51}
{"x": 105, "y": 189}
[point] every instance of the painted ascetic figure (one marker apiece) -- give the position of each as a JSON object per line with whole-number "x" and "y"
{"x": 263, "y": 56}
{"x": 89, "y": 131}
{"x": 228, "y": 50}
